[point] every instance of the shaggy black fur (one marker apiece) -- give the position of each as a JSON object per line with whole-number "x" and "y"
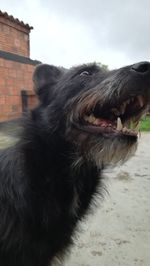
{"x": 48, "y": 179}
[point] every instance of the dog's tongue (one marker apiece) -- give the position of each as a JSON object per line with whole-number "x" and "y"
{"x": 98, "y": 121}
{"x": 103, "y": 122}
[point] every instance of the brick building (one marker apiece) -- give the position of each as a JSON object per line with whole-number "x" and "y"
{"x": 16, "y": 67}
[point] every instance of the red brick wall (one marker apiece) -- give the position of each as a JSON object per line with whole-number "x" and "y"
{"x": 14, "y": 77}
{"x": 14, "y": 38}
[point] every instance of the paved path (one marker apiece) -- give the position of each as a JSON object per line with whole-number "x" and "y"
{"x": 5, "y": 140}
{"x": 118, "y": 234}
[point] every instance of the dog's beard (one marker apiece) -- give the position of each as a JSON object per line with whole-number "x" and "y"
{"x": 104, "y": 151}
{"x": 108, "y": 151}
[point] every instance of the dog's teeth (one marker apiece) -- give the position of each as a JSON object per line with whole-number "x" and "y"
{"x": 89, "y": 119}
{"x": 96, "y": 122}
{"x": 119, "y": 124}
{"x": 125, "y": 129}
{"x": 140, "y": 100}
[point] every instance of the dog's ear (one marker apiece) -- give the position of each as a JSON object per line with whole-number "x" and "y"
{"x": 44, "y": 78}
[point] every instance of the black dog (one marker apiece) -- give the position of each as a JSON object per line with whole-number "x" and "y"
{"x": 49, "y": 178}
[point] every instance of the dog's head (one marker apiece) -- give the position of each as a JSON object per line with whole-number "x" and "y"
{"x": 96, "y": 109}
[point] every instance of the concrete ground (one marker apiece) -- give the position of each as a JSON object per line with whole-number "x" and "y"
{"x": 118, "y": 233}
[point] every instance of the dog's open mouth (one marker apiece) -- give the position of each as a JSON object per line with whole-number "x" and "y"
{"x": 120, "y": 119}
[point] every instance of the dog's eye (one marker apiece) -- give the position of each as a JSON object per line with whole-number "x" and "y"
{"x": 84, "y": 73}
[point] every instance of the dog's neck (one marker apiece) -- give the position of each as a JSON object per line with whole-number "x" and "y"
{"x": 53, "y": 158}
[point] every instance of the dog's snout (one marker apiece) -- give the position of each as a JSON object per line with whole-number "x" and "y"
{"x": 141, "y": 68}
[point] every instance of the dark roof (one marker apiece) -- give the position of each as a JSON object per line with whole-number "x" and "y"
{"x": 15, "y": 20}
{"x": 18, "y": 58}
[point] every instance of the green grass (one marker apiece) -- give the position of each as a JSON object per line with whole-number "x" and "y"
{"x": 145, "y": 124}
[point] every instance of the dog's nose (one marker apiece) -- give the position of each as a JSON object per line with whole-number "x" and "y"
{"x": 141, "y": 68}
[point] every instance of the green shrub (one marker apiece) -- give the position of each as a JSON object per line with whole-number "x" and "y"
{"x": 145, "y": 124}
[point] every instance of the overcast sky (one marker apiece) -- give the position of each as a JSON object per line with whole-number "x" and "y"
{"x": 71, "y": 32}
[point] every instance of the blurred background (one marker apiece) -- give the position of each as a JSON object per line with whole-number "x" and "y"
{"x": 71, "y": 32}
